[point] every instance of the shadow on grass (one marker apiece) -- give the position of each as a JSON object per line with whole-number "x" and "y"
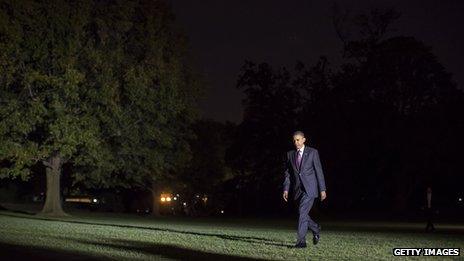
{"x": 159, "y": 250}
{"x": 392, "y": 228}
{"x": 17, "y": 252}
{"x": 247, "y": 239}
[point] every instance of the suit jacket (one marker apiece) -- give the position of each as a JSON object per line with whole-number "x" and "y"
{"x": 309, "y": 174}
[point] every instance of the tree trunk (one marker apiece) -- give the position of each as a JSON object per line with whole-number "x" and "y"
{"x": 156, "y": 200}
{"x": 52, "y": 206}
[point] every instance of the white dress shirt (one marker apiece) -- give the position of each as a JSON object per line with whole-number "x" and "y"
{"x": 300, "y": 151}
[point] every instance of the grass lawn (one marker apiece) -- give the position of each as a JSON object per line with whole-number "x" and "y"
{"x": 97, "y": 236}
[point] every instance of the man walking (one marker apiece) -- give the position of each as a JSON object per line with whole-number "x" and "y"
{"x": 429, "y": 211}
{"x": 303, "y": 172}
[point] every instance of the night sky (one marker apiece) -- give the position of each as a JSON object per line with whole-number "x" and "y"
{"x": 223, "y": 34}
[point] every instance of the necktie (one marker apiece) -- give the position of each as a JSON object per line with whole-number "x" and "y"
{"x": 298, "y": 159}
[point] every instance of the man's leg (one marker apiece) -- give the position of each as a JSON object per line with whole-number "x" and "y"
{"x": 432, "y": 227}
{"x": 304, "y": 221}
{"x": 429, "y": 220}
{"x": 313, "y": 226}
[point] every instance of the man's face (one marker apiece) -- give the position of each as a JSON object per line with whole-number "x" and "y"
{"x": 298, "y": 140}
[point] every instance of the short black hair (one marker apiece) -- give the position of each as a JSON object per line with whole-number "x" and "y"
{"x": 299, "y": 133}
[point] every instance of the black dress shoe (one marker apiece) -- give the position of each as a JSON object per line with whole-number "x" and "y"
{"x": 300, "y": 245}
{"x": 316, "y": 239}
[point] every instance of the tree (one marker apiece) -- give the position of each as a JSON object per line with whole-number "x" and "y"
{"x": 207, "y": 167}
{"x": 102, "y": 85}
{"x": 391, "y": 94}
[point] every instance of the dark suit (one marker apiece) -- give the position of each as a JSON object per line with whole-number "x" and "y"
{"x": 429, "y": 213}
{"x": 306, "y": 181}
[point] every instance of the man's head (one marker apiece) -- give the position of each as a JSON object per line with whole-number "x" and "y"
{"x": 298, "y": 139}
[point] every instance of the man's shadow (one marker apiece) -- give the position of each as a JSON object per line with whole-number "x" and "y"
{"x": 161, "y": 250}
{"x": 248, "y": 239}
{"x": 19, "y": 252}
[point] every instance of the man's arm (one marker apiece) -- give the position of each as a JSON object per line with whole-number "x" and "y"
{"x": 287, "y": 179}
{"x": 319, "y": 174}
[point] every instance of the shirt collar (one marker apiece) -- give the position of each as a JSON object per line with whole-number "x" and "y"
{"x": 302, "y": 149}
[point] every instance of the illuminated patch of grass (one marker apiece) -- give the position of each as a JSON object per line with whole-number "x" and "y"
{"x": 127, "y": 237}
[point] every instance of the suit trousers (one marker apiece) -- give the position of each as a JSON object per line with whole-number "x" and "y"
{"x": 304, "y": 220}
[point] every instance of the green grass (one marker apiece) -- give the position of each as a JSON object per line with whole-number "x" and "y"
{"x": 128, "y": 237}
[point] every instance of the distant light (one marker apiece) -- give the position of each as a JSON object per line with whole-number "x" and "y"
{"x": 146, "y": 210}
{"x": 95, "y": 200}
{"x": 198, "y": 196}
{"x": 459, "y": 199}
{"x": 175, "y": 198}
{"x": 185, "y": 204}
{"x": 168, "y": 199}
{"x": 163, "y": 199}
{"x": 178, "y": 195}
{"x": 222, "y": 211}
{"x": 80, "y": 200}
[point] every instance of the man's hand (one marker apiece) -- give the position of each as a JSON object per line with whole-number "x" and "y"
{"x": 285, "y": 195}
{"x": 323, "y": 195}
